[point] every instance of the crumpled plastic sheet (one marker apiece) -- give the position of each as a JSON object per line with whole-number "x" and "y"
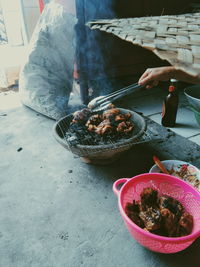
{"x": 46, "y": 78}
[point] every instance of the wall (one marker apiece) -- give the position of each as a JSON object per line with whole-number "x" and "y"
{"x": 12, "y": 20}
{"x": 31, "y": 13}
{"x": 20, "y": 17}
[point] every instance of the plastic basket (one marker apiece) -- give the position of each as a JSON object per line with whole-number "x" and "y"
{"x": 165, "y": 185}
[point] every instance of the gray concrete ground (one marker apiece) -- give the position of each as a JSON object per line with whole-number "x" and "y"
{"x": 58, "y": 211}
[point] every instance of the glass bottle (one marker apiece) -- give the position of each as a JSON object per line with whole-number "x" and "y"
{"x": 170, "y": 105}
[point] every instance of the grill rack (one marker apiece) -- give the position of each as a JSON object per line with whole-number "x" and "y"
{"x": 144, "y": 134}
{"x": 148, "y": 136}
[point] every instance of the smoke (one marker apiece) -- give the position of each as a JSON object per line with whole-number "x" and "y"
{"x": 94, "y": 48}
{"x": 98, "y": 52}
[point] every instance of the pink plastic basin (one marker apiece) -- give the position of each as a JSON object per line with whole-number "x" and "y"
{"x": 165, "y": 185}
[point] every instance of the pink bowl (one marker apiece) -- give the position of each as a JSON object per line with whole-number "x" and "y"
{"x": 165, "y": 185}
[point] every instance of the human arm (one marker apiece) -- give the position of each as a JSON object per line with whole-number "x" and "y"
{"x": 151, "y": 77}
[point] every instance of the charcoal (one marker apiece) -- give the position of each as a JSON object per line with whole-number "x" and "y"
{"x": 72, "y": 140}
{"x": 104, "y": 131}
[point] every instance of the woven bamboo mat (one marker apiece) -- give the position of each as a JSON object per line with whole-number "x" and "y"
{"x": 175, "y": 38}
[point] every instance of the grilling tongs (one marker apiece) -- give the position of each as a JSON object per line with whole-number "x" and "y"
{"x": 102, "y": 102}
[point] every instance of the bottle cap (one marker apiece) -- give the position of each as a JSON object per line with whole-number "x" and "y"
{"x": 171, "y": 88}
{"x": 173, "y": 80}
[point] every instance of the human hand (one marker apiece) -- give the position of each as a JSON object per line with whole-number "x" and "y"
{"x": 151, "y": 77}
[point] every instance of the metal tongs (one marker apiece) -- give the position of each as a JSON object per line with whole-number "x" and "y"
{"x": 102, "y": 102}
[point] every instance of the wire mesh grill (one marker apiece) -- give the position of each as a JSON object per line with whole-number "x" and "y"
{"x": 142, "y": 134}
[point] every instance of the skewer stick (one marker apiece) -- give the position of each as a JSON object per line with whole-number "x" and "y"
{"x": 160, "y": 165}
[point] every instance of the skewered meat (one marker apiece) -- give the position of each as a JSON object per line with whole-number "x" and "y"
{"x": 160, "y": 215}
{"x": 135, "y": 206}
{"x": 169, "y": 222}
{"x": 81, "y": 116}
{"x": 186, "y": 223}
{"x": 99, "y": 128}
{"x": 151, "y": 218}
{"x": 132, "y": 209}
{"x": 122, "y": 117}
{"x": 94, "y": 120}
{"x": 104, "y": 127}
{"x": 136, "y": 219}
{"x": 172, "y": 204}
{"x": 91, "y": 128}
{"x": 149, "y": 198}
{"x": 124, "y": 127}
{"x": 110, "y": 113}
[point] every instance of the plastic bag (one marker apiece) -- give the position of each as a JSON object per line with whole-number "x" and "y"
{"x": 46, "y": 78}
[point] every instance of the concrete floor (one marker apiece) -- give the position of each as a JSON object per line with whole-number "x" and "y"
{"x": 58, "y": 211}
